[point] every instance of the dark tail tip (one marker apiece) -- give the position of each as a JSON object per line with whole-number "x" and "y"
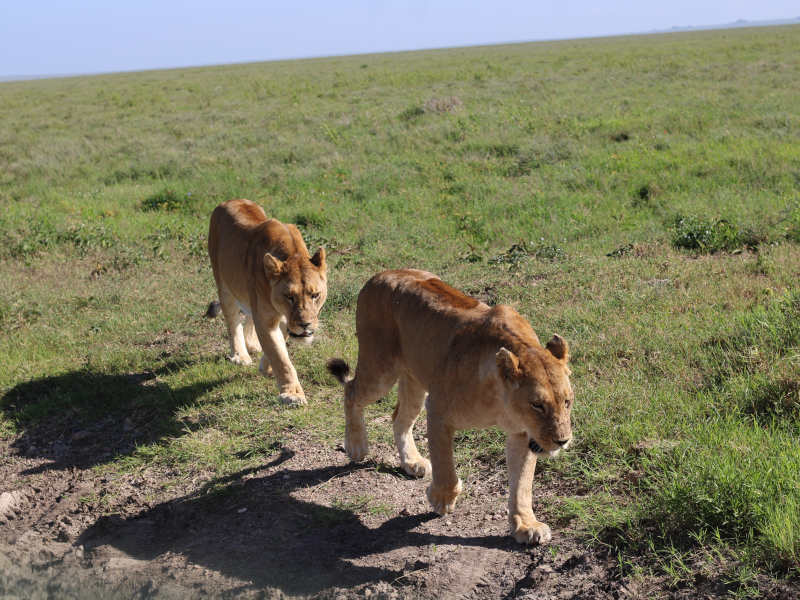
{"x": 213, "y": 310}
{"x": 339, "y": 369}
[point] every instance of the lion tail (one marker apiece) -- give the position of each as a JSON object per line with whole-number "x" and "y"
{"x": 213, "y": 309}
{"x": 339, "y": 369}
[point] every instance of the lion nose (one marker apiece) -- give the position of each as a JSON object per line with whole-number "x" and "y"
{"x": 562, "y": 442}
{"x": 306, "y": 326}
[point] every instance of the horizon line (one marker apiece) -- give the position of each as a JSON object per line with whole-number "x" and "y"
{"x": 738, "y": 24}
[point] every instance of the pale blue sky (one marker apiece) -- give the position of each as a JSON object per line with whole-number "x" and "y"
{"x": 89, "y": 36}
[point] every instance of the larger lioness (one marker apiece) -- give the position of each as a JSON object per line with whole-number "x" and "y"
{"x": 481, "y": 366}
{"x": 263, "y": 269}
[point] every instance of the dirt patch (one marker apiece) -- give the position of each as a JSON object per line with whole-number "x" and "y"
{"x": 307, "y": 523}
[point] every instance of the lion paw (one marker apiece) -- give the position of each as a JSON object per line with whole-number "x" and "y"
{"x": 238, "y": 359}
{"x": 356, "y": 447}
{"x": 292, "y": 400}
{"x": 533, "y": 533}
{"x": 418, "y": 468}
{"x": 443, "y": 501}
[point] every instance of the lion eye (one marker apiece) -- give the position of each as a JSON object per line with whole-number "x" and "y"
{"x": 537, "y": 407}
{"x": 315, "y": 296}
{"x": 289, "y": 298}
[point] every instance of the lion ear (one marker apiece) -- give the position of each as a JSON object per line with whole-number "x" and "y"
{"x": 318, "y": 260}
{"x": 558, "y": 347}
{"x": 508, "y": 365}
{"x": 272, "y": 266}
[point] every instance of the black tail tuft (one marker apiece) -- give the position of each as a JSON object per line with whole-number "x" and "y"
{"x": 339, "y": 369}
{"x": 213, "y": 309}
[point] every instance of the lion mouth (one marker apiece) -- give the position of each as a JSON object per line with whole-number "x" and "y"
{"x": 535, "y": 448}
{"x": 305, "y": 334}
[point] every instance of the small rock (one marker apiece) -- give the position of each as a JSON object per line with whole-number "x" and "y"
{"x": 544, "y": 569}
{"x": 9, "y": 504}
{"x": 242, "y": 510}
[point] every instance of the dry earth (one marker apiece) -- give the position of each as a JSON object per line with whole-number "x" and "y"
{"x": 305, "y": 524}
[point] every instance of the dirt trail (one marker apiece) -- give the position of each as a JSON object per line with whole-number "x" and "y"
{"x": 305, "y": 524}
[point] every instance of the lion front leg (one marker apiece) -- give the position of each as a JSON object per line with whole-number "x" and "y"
{"x": 446, "y": 486}
{"x": 274, "y": 347}
{"x": 521, "y": 465}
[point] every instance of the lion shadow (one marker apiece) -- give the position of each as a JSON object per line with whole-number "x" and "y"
{"x": 255, "y": 530}
{"x": 82, "y": 418}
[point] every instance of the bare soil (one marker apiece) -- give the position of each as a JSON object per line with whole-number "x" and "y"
{"x": 306, "y": 524}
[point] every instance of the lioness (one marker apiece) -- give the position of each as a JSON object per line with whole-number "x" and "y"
{"x": 262, "y": 267}
{"x": 481, "y": 366}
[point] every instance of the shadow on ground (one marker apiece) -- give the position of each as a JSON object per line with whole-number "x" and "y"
{"x": 82, "y": 418}
{"x": 255, "y": 530}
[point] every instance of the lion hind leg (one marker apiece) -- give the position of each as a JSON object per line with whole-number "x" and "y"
{"x": 365, "y": 388}
{"x": 250, "y": 337}
{"x": 233, "y": 320}
{"x": 410, "y": 398}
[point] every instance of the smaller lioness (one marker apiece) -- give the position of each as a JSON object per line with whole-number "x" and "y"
{"x": 263, "y": 269}
{"x": 481, "y": 366}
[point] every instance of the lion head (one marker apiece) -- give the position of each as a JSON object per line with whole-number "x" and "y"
{"x": 538, "y": 394}
{"x": 298, "y": 290}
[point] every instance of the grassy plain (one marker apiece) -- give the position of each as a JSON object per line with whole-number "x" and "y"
{"x": 637, "y": 195}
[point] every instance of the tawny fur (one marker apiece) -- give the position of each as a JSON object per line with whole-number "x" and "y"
{"x": 480, "y": 366}
{"x": 263, "y": 269}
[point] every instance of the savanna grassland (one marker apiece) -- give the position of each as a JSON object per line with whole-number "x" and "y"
{"x": 638, "y": 195}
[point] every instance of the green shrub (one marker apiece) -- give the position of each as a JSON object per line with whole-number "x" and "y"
{"x": 706, "y": 236}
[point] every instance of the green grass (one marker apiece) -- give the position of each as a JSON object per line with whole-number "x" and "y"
{"x": 637, "y": 195}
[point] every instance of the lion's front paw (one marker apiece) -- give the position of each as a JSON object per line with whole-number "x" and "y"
{"x": 293, "y": 398}
{"x": 443, "y": 500}
{"x": 356, "y": 446}
{"x": 238, "y": 359}
{"x": 421, "y": 467}
{"x": 530, "y": 532}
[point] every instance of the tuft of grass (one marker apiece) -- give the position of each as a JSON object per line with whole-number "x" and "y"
{"x": 412, "y": 113}
{"x": 710, "y": 236}
{"x": 793, "y": 223}
{"x": 522, "y": 251}
{"x": 168, "y": 200}
{"x": 446, "y": 104}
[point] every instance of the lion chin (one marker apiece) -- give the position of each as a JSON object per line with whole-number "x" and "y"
{"x": 305, "y": 338}
{"x": 539, "y": 451}
{"x": 471, "y": 365}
